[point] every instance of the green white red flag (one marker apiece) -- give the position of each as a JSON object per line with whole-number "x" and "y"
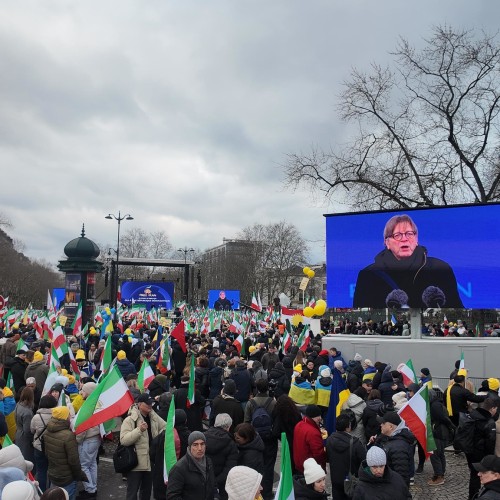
{"x": 285, "y": 486}
{"x": 169, "y": 456}
{"x": 304, "y": 338}
{"x": 179, "y": 334}
{"x": 77, "y": 322}
{"x": 145, "y": 375}
{"x": 417, "y": 416}
{"x": 408, "y": 373}
{"x": 190, "y": 395}
{"x": 111, "y": 398}
{"x": 53, "y": 373}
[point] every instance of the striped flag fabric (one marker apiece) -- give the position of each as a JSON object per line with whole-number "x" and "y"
{"x": 285, "y": 486}
{"x": 304, "y": 338}
{"x": 338, "y": 396}
{"x": 169, "y": 456}
{"x": 145, "y": 375}
{"x": 461, "y": 366}
{"x": 190, "y": 394}
{"x": 179, "y": 334}
{"x": 54, "y": 364}
{"x": 111, "y": 398}
{"x": 394, "y": 321}
{"x": 408, "y": 373}
{"x": 417, "y": 416}
{"x": 77, "y": 322}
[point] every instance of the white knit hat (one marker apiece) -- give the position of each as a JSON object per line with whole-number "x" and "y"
{"x": 358, "y": 357}
{"x": 338, "y": 364}
{"x": 18, "y": 490}
{"x": 325, "y": 372}
{"x": 242, "y": 483}
{"x": 375, "y": 457}
{"x": 399, "y": 399}
{"x": 313, "y": 471}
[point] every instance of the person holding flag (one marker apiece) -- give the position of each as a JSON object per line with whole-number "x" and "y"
{"x": 140, "y": 427}
{"x": 190, "y": 400}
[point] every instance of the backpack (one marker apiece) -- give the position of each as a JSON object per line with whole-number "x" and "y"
{"x": 464, "y": 434}
{"x": 262, "y": 421}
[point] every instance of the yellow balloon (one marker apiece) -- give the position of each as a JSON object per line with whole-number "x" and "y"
{"x": 311, "y": 273}
{"x": 308, "y": 311}
{"x": 306, "y": 270}
{"x": 319, "y": 310}
{"x": 321, "y": 303}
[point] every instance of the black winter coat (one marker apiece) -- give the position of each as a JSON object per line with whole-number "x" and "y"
{"x": 490, "y": 491}
{"x": 186, "y": 481}
{"x": 484, "y": 434}
{"x": 202, "y": 380}
{"x": 369, "y": 417}
{"x": 194, "y": 412}
{"x": 283, "y": 382}
{"x": 390, "y": 486}
{"x": 244, "y": 384}
{"x": 252, "y": 454}
{"x": 386, "y": 390}
{"x": 304, "y": 491}
{"x": 442, "y": 426}
{"x": 215, "y": 381}
{"x": 17, "y": 370}
{"x": 125, "y": 367}
{"x": 223, "y": 452}
{"x": 399, "y": 450}
{"x": 338, "y": 449}
{"x": 412, "y": 275}
{"x": 459, "y": 397}
{"x": 229, "y": 405}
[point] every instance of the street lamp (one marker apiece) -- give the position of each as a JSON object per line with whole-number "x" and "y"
{"x": 119, "y": 220}
{"x": 185, "y": 251}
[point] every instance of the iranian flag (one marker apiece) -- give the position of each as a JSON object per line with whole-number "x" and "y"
{"x": 179, "y": 334}
{"x": 417, "y": 416}
{"x": 285, "y": 486}
{"x": 255, "y": 303}
{"x": 259, "y": 301}
{"x": 21, "y": 345}
{"x": 304, "y": 338}
{"x": 461, "y": 366}
{"x": 53, "y": 373}
{"x": 238, "y": 342}
{"x": 408, "y": 373}
{"x": 169, "y": 456}
{"x": 190, "y": 394}
{"x": 77, "y": 322}
{"x": 286, "y": 341}
{"x": 106, "y": 356}
{"x": 145, "y": 375}
{"x": 111, "y": 398}
{"x": 59, "y": 340}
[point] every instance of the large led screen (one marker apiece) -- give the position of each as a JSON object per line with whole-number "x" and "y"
{"x": 427, "y": 258}
{"x": 147, "y": 293}
{"x": 224, "y": 300}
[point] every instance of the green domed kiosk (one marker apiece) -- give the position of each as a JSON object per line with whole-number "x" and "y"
{"x": 80, "y": 267}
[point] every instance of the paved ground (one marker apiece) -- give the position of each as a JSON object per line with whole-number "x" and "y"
{"x": 111, "y": 485}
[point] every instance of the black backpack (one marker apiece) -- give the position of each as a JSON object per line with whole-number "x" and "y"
{"x": 262, "y": 421}
{"x": 464, "y": 434}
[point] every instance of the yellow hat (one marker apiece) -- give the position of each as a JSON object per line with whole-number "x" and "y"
{"x": 462, "y": 371}
{"x": 60, "y": 412}
{"x": 92, "y": 330}
{"x": 128, "y": 331}
{"x": 493, "y": 384}
{"x": 80, "y": 355}
{"x": 7, "y": 392}
{"x": 121, "y": 355}
{"x": 64, "y": 372}
{"x": 297, "y": 368}
{"x": 38, "y": 356}
{"x": 251, "y": 349}
{"x": 71, "y": 379}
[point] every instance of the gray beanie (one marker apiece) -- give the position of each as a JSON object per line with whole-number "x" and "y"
{"x": 195, "y": 436}
{"x": 376, "y": 457}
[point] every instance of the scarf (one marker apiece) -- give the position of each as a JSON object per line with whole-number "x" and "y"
{"x": 201, "y": 464}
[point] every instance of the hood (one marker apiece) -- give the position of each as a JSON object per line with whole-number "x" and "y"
{"x": 366, "y": 475}
{"x": 386, "y": 377}
{"x": 56, "y": 425}
{"x": 374, "y": 404}
{"x": 276, "y": 372}
{"x": 287, "y": 362}
{"x": 217, "y": 440}
{"x": 7, "y": 393}
{"x": 256, "y": 444}
{"x": 354, "y": 401}
{"x": 11, "y": 456}
{"x": 403, "y": 433}
{"x": 325, "y": 381}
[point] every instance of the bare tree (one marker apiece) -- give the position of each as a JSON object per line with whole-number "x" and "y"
{"x": 427, "y": 130}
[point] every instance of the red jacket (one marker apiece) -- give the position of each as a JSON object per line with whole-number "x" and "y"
{"x": 308, "y": 443}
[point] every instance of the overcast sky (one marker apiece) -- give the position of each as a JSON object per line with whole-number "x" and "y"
{"x": 181, "y": 113}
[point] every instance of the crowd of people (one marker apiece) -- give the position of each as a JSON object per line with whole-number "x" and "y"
{"x": 246, "y": 399}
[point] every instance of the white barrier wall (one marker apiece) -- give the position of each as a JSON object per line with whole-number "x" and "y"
{"x": 482, "y": 356}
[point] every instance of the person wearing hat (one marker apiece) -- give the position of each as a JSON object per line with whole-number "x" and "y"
{"x": 124, "y": 365}
{"x": 140, "y": 427}
{"x": 194, "y": 411}
{"x": 8, "y": 351}
{"x": 226, "y": 403}
{"x": 426, "y": 377}
{"x": 243, "y": 483}
{"x": 37, "y": 367}
{"x": 378, "y": 480}
{"x": 19, "y": 490}
{"x": 312, "y": 485}
{"x": 398, "y": 442}
{"x": 193, "y": 475}
{"x": 307, "y": 439}
{"x": 88, "y": 448}
{"x": 17, "y": 370}
{"x": 61, "y": 449}
{"x": 488, "y": 471}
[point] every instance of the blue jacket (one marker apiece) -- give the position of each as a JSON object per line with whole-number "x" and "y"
{"x": 332, "y": 359}
{"x": 126, "y": 367}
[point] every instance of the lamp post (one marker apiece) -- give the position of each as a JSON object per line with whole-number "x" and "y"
{"x": 119, "y": 220}
{"x": 185, "y": 251}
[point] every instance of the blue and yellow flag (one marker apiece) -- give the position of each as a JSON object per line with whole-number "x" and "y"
{"x": 338, "y": 396}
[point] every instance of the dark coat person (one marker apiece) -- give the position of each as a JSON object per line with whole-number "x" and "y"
{"x": 124, "y": 365}
{"x": 216, "y": 378}
{"x": 250, "y": 447}
{"x": 222, "y": 450}
{"x": 489, "y": 471}
{"x": 182, "y": 430}
{"x": 192, "y": 477}
{"x": 195, "y": 410}
{"x": 283, "y": 382}
{"x": 17, "y": 370}
{"x": 243, "y": 381}
{"x": 459, "y": 397}
{"x": 226, "y": 403}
